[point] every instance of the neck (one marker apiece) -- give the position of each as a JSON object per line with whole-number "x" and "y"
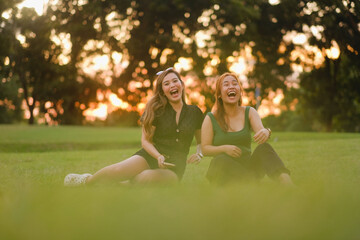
{"x": 177, "y": 106}
{"x": 231, "y": 109}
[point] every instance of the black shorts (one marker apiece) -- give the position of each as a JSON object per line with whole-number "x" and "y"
{"x": 179, "y": 161}
{"x": 263, "y": 161}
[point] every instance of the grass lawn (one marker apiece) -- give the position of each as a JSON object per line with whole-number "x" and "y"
{"x": 35, "y": 205}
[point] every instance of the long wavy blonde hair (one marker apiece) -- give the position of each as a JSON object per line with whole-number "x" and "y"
{"x": 158, "y": 102}
{"x": 219, "y": 112}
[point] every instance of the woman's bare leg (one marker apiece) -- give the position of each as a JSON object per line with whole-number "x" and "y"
{"x": 156, "y": 176}
{"x": 121, "y": 171}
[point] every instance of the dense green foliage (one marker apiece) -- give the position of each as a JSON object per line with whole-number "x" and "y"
{"x": 152, "y": 35}
{"x": 8, "y": 89}
{"x": 330, "y": 95}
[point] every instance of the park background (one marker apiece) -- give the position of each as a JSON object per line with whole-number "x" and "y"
{"x": 85, "y": 62}
{"x": 75, "y": 77}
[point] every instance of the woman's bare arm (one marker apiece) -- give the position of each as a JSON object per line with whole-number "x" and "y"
{"x": 196, "y": 158}
{"x": 150, "y": 148}
{"x": 207, "y": 136}
{"x": 261, "y": 133}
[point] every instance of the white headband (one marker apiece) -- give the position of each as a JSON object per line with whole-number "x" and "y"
{"x": 160, "y": 72}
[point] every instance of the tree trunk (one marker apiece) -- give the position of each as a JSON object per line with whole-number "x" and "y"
{"x": 332, "y": 66}
{"x": 329, "y": 124}
{"x": 31, "y": 110}
{"x": 31, "y": 119}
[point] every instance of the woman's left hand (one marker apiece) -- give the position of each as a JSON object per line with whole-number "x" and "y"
{"x": 261, "y": 136}
{"x": 161, "y": 160}
{"x": 195, "y": 158}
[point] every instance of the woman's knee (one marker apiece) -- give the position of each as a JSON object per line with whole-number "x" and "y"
{"x": 264, "y": 147}
{"x": 168, "y": 175}
{"x": 156, "y": 176}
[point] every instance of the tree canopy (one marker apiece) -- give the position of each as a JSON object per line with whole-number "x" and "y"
{"x": 59, "y": 61}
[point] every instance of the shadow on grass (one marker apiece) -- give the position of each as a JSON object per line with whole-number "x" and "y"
{"x": 53, "y": 147}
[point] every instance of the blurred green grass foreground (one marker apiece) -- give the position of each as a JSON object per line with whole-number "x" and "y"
{"x": 35, "y": 205}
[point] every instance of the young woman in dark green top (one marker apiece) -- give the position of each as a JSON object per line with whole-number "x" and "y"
{"x": 226, "y": 135}
{"x": 169, "y": 126}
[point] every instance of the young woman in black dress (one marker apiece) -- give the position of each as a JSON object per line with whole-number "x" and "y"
{"x": 168, "y": 128}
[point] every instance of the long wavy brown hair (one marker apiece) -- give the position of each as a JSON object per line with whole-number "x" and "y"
{"x": 219, "y": 113}
{"x": 157, "y": 103}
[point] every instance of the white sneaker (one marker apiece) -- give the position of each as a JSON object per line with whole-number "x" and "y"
{"x": 74, "y": 179}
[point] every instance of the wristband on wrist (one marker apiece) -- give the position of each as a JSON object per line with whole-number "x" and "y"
{"x": 198, "y": 151}
{"x": 269, "y": 132}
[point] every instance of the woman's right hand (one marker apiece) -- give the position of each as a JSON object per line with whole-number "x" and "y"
{"x": 161, "y": 160}
{"x": 232, "y": 151}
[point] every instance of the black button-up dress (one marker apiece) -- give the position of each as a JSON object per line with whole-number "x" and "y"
{"x": 174, "y": 140}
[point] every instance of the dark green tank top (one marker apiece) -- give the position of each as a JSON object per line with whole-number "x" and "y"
{"x": 241, "y": 139}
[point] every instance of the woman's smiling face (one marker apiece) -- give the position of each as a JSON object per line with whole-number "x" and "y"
{"x": 230, "y": 90}
{"x": 172, "y": 87}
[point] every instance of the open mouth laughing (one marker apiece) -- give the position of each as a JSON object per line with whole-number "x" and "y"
{"x": 231, "y": 94}
{"x": 174, "y": 92}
